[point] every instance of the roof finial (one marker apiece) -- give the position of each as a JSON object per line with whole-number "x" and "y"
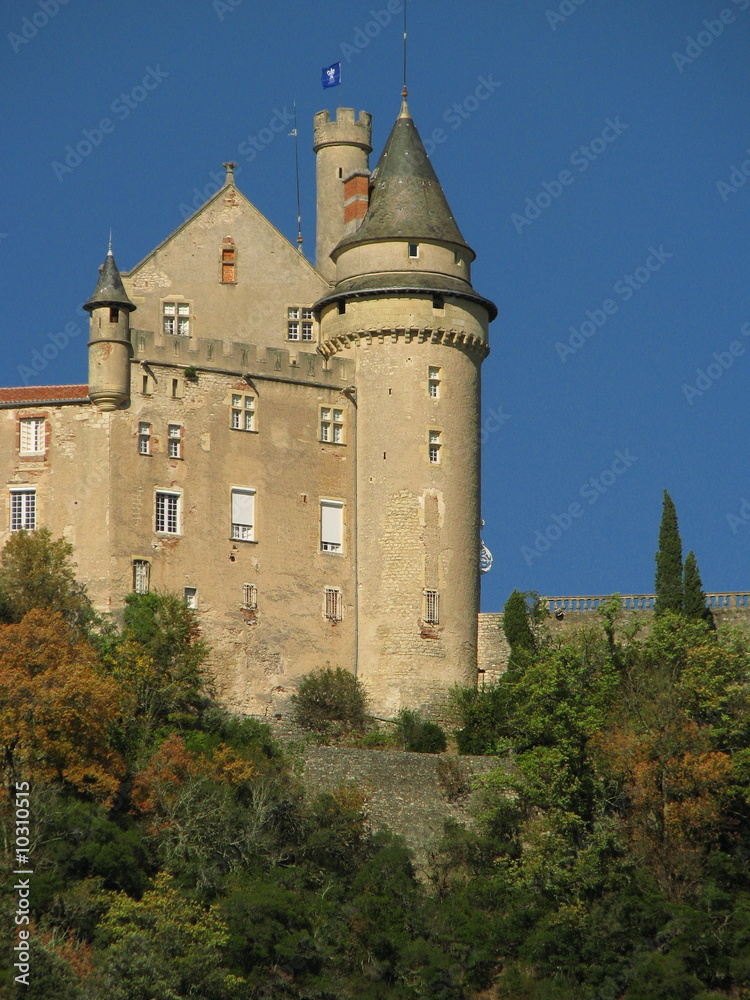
{"x": 404, "y": 91}
{"x": 109, "y": 248}
{"x": 229, "y": 167}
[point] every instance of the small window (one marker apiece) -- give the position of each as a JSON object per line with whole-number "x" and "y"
{"x": 145, "y": 387}
{"x": 191, "y": 597}
{"x": 299, "y": 323}
{"x": 341, "y": 306}
{"x": 175, "y": 388}
{"x": 433, "y": 382}
{"x": 431, "y": 607}
{"x": 228, "y": 260}
{"x": 243, "y": 412}
{"x": 176, "y": 318}
{"x": 249, "y": 597}
{"x": 114, "y": 315}
{"x": 23, "y": 510}
{"x": 243, "y": 514}
{"x": 413, "y": 251}
{"x": 174, "y": 439}
{"x": 438, "y": 303}
{"x": 168, "y": 513}
{"x": 434, "y": 447}
{"x": 144, "y": 439}
{"x": 141, "y": 575}
{"x": 333, "y": 605}
{"x": 32, "y": 436}
{"x": 331, "y": 425}
{"x": 457, "y": 258}
{"x": 331, "y": 525}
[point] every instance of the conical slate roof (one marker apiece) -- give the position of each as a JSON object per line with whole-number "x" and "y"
{"x": 109, "y": 290}
{"x": 407, "y": 201}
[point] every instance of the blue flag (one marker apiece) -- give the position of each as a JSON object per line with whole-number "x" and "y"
{"x": 332, "y": 75}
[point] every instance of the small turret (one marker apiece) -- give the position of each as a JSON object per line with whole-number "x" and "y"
{"x": 342, "y": 148}
{"x": 109, "y": 345}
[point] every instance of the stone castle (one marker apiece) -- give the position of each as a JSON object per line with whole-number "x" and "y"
{"x": 294, "y": 449}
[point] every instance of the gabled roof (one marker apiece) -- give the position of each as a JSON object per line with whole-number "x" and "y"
{"x": 109, "y": 290}
{"x": 44, "y": 394}
{"x": 407, "y": 201}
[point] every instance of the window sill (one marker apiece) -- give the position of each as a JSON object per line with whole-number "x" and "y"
{"x": 244, "y": 541}
{"x": 243, "y": 430}
{"x": 336, "y": 444}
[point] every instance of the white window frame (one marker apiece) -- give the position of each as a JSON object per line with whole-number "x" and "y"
{"x": 299, "y": 323}
{"x": 433, "y": 382}
{"x": 144, "y": 438}
{"x": 331, "y": 425}
{"x": 431, "y": 614}
{"x": 168, "y": 512}
{"x": 23, "y": 509}
{"x": 434, "y": 444}
{"x": 176, "y": 318}
{"x": 242, "y": 412}
{"x": 332, "y": 526}
{"x": 190, "y": 596}
{"x": 141, "y": 576}
{"x": 174, "y": 440}
{"x": 333, "y": 609}
{"x": 32, "y": 437}
{"x": 243, "y": 522}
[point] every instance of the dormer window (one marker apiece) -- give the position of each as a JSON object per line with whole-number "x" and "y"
{"x": 413, "y": 251}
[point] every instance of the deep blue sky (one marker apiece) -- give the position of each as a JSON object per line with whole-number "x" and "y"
{"x": 551, "y": 425}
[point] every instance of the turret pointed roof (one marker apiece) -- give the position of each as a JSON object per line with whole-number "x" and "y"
{"x": 406, "y": 201}
{"x": 109, "y": 290}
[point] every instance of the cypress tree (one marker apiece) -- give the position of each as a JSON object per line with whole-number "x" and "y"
{"x": 668, "y": 583}
{"x": 694, "y": 598}
{"x": 516, "y": 623}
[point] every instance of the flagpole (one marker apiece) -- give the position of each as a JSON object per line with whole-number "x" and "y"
{"x": 296, "y": 165}
{"x": 405, "y": 91}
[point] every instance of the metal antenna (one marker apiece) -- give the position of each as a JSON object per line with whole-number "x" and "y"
{"x": 294, "y": 132}
{"x": 404, "y": 92}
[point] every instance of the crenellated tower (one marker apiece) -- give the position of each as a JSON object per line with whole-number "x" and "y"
{"x": 404, "y": 306}
{"x": 109, "y": 344}
{"x": 342, "y": 148}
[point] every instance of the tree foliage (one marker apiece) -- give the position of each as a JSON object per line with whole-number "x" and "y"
{"x": 330, "y": 701}
{"x": 516, "y": 624}
{"x": 694, "y": 599}
{"x": 668, "y": 582}
{"x": 419, "y": 735}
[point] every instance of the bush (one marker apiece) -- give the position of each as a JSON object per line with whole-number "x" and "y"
{"x": 330, "y": 701}
{"x": 419, "y": 736}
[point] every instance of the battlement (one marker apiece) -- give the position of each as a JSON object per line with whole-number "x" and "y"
{"x": 214, "y": 354}
{"x": 344, "y": 129}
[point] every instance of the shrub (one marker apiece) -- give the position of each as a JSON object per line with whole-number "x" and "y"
{"x": 419, "y": 736}
{"x": 330, "y": 701}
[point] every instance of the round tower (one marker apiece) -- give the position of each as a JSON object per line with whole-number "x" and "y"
{"x": 109, "y": 345}
{"x": 403, "y": 305}
{"x": 342, "y": 148}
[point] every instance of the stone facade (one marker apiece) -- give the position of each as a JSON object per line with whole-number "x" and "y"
{"x": 293, "y": 448}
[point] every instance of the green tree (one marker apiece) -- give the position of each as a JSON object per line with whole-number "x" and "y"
{"x": 516, "y": 624}
{"x": 694, "y": 598}
{"x": 330, "y": 701}
{"x": 36, "y": 572}
{"x": 668, "y": 583}
{"x": 418, "y": 735}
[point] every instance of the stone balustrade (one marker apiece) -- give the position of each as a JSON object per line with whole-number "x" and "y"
{"x": 729, "y": 600}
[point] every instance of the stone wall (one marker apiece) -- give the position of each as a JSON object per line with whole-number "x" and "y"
{"x": 412, "y": 794}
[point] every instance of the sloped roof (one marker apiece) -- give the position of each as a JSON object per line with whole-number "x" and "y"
{"x": 407, "y": 201}
{"x": 44, "y": 394}
{"x": 109, "y": 290}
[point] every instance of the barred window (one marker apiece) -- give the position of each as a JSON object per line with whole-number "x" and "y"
{"x": 32, "y": 437}
{"x": 334, "y": 604}
{"x": 168, "y": 513}
{"x": 141, "y": 575}
{"x": 22, "y": 510}
{"x": 431, "y": 607}
{"x": 249, "y": 597}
